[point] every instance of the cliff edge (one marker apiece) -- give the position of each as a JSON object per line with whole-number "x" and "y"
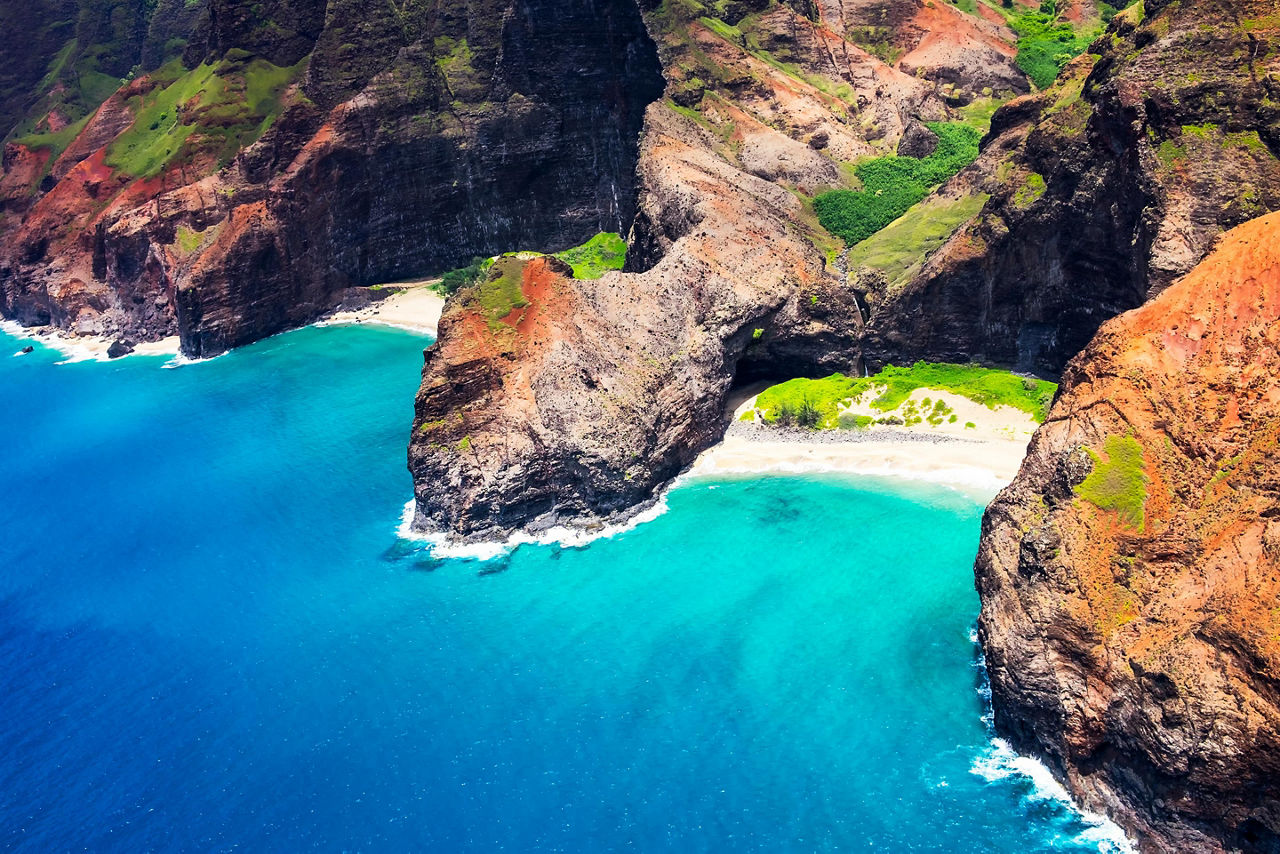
{"x": 1130, "y": 575}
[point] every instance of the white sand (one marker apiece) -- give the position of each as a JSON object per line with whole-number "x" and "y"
{"x": 986, "y": 466}
{"x": 416, "y": 308}
{"x": 85, "y": 348}
{"x": 983, "y": 458}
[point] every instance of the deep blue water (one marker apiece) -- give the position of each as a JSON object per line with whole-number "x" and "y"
{"x": 210, "y": 639}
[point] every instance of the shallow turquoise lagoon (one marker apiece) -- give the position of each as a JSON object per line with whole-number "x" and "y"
{"x": 210, "y": 639}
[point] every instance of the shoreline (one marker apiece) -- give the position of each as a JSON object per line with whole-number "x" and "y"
{"x": 415, "y": 308}
{"x": 978, "y": 468}
{"x": 980, "y": 465}
{"x": 411, "y": 306}
{"x": 86, "y": 348}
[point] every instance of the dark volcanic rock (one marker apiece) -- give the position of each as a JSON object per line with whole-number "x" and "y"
{"x": 120, "y": 348}
{"x": 918, "y": 141}
{"x": 1130, "y": 575}
{"x": 499, "y": 125}
{"x": 1103, "y": 190}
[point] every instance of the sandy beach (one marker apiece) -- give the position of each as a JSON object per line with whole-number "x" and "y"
{"x": 85, "y": 348}
{"x": 980, "y": 451}
{"x": 983, "y": 465}
{"x": 413, "y": 306}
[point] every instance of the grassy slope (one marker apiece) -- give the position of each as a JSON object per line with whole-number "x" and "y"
{"x": 901, "y": 248}
{"x": 891, "y": 185}
{"x": 222, "y": 107}
{"x": 602, "y": 253}
{"x": 1119, "y": 482}
{"x": 987, "y": 386}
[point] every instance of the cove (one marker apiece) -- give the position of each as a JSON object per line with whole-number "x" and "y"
{"x": 211, "y": 639}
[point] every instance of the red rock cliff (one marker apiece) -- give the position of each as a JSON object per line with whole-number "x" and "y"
{"x": 1130, "y": 576}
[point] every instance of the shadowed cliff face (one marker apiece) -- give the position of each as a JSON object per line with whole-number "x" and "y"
{"x": 580, "y": 403}
{"x": 574, "y": 403}
{"x": 1103, "y": 189}
{"x": 1130, "y": 576}
{"x": 461, "y": 132}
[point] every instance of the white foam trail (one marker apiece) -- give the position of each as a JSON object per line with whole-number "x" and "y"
{"x": 973, "y": 478}
{"x": 443, "y": 546}
{"x": 1000, "y": 762}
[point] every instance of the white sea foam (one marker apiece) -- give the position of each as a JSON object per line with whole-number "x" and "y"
{"x": 444, "y": 546}
{"x": 971, "y": 477}
{"x": 1000, "y": 762}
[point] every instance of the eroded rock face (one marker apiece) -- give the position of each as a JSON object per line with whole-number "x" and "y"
{"x": 1103, "y": 190}
{"x": 431, "y": 138}
{"x": 575, "y": 408}
{"x": 1130, "y": 576}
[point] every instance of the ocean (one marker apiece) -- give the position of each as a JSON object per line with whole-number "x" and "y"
{"x": 211, "y": 639}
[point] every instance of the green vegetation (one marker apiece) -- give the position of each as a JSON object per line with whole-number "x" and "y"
{"x": 877, "y": 41}
{"x": 815, "y": 403}
{"x": 891, "y": 185}
{"x": 602, "y": 253}
{"x": 978, "y": 112}
{"x": 1118, "y": 483}
{"x": 849, "y": 421}
{"x": 463, "y": 277}
{"x": 901, "y": 247}
{"x": 219, "y": 108}
{"x": 500, "y": 292}
{"x": 189, "y": 239}
{"x": 808, "y": 403}
{"x": 989, "y": 386}
{"x": 57, "y": 140}
{"x": 1046, "y": 42}
{"x": 1030, "y": 192}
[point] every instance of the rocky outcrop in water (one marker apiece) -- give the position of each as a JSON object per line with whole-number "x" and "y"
{"x": 1130, "y": 576}
{"x": 573, "y": 400}
{"x": 578, "y": 399}
{"x": 1103, "y": 189}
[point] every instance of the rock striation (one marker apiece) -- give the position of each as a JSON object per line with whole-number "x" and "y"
{"x": 1102, "y": 190}
{"x": 580, "y": 399}
{"x": 1130, "y": 575}
{"x": 387, "y": 146}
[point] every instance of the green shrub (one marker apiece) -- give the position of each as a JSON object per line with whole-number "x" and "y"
{"x": 892, "y": 185}
{"x": 849, "y": 421}
{"x": 1120, "y": 482}
{"x": 455, "y": 280}
{"x": 602, "y": 253}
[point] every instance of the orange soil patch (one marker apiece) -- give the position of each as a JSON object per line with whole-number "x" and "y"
{"x": 947, "y": 29}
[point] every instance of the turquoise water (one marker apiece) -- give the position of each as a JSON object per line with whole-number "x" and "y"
{"x": 211, "y": 639}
